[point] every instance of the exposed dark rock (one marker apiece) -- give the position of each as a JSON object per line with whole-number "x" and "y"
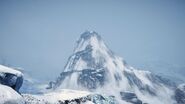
{"x": 11, "y": 80}
{"x": 130, "y": 97}
{"x": 91, "y": 79}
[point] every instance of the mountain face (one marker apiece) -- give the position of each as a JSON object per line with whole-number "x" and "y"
{"x": 94, "y": 67}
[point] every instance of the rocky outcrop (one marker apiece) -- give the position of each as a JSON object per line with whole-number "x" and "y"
{"x": 91, "y": 79}
{"x": 130, "y": 97}
{"x": 11, "y": 80}
{"x": 11, "y": 77}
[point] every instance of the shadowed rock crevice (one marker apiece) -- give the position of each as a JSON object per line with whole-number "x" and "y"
{"x": 11, "y": 80}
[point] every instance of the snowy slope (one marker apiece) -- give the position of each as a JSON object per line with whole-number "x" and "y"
{"x": 9, "y": 96}
{"x": 171, "y": 71}
{"x": 54, "y": 96}
{"x": 66, "y": 96}
{"x": 94, "y": 67}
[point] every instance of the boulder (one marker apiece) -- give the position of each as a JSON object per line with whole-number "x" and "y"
{"x": 11, "y": 77}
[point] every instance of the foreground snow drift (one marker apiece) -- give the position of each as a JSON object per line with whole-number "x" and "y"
{"x": 10, "y": 96}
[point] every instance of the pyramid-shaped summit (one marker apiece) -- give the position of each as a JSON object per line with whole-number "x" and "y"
{"x": 90, "y": 39}
{"x": 94, "y": 67}
{"x": 87, "y": 39}
{"x": 88, "y": 34}
{"x": 90, "y": 52}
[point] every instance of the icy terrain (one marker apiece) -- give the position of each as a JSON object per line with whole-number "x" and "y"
{"x": 92, "y": 75}
{"x": 66, "y": 96}
{"x": 9, "y": 95}
{"x": 94, "y": 67}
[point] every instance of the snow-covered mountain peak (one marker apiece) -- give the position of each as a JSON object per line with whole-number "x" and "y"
{"x": 92, "y": 53}
{"x": 94, "y": 67}
{"x": 88, "y": 34}
{"x": 90, "y": 39}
